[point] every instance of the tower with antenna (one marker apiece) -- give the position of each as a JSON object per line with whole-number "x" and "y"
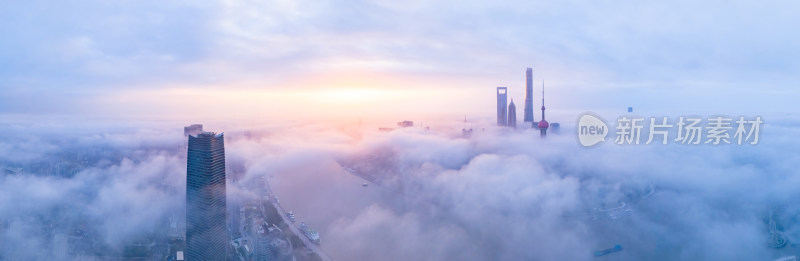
{"x": 543, "y": 125}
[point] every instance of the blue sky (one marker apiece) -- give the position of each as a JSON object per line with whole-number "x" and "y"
{"x": 712, "y": 57}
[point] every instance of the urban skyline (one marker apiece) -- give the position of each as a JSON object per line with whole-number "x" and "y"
{"x": 362, "y": 130}
{"x": 506, "y": 113}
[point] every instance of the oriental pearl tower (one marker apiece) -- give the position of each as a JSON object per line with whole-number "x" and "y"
{"x": 543, "y": 123}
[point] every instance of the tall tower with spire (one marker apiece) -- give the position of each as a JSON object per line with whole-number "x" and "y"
{"x": 529, "y": 96}
{"x": 512, "y": 115}
{"x": 543, "y": 123}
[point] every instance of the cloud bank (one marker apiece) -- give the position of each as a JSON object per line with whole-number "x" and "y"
{"x": 513, "y": 196}
{"x": 432, "y": 195}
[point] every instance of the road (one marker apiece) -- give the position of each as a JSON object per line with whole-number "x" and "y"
{"x": 310, "y": 245}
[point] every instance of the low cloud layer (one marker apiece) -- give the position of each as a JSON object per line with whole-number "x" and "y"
{"x": 432, "y": 195}
{"x": 113, "y": 185}
{"x": 513, "y": 196}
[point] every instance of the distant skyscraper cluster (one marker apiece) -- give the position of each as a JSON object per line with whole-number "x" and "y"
{"x": 507, "y": 113}
{"x": 206, "y": 233}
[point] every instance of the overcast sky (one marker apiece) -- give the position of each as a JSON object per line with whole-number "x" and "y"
{"x": 344, "y": 58}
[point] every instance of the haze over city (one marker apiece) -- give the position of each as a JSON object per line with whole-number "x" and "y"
{"x": 369, "y": 130}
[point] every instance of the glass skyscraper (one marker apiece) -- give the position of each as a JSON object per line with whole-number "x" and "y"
{"x": 512, "y": 115}
{"x": 528, "y": 114}
{"x": 206, "y": 233}
{"x": 502, "y": 109}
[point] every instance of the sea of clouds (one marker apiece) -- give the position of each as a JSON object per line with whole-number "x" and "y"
{"x": 432, "y": 194}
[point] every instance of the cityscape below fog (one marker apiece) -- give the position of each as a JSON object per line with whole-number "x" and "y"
{"x": 252, "y": 226}
{"x": 302, "y": 130}
{"x": 146, "y": 193}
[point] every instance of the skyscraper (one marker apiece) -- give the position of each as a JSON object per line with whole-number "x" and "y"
{"x": 502, "y": 100}
{"x": 512, "y": 115}
{"x": 543, "y": 123}
{"x": 528, "y": 96}
{"x": 206, "y": 233}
